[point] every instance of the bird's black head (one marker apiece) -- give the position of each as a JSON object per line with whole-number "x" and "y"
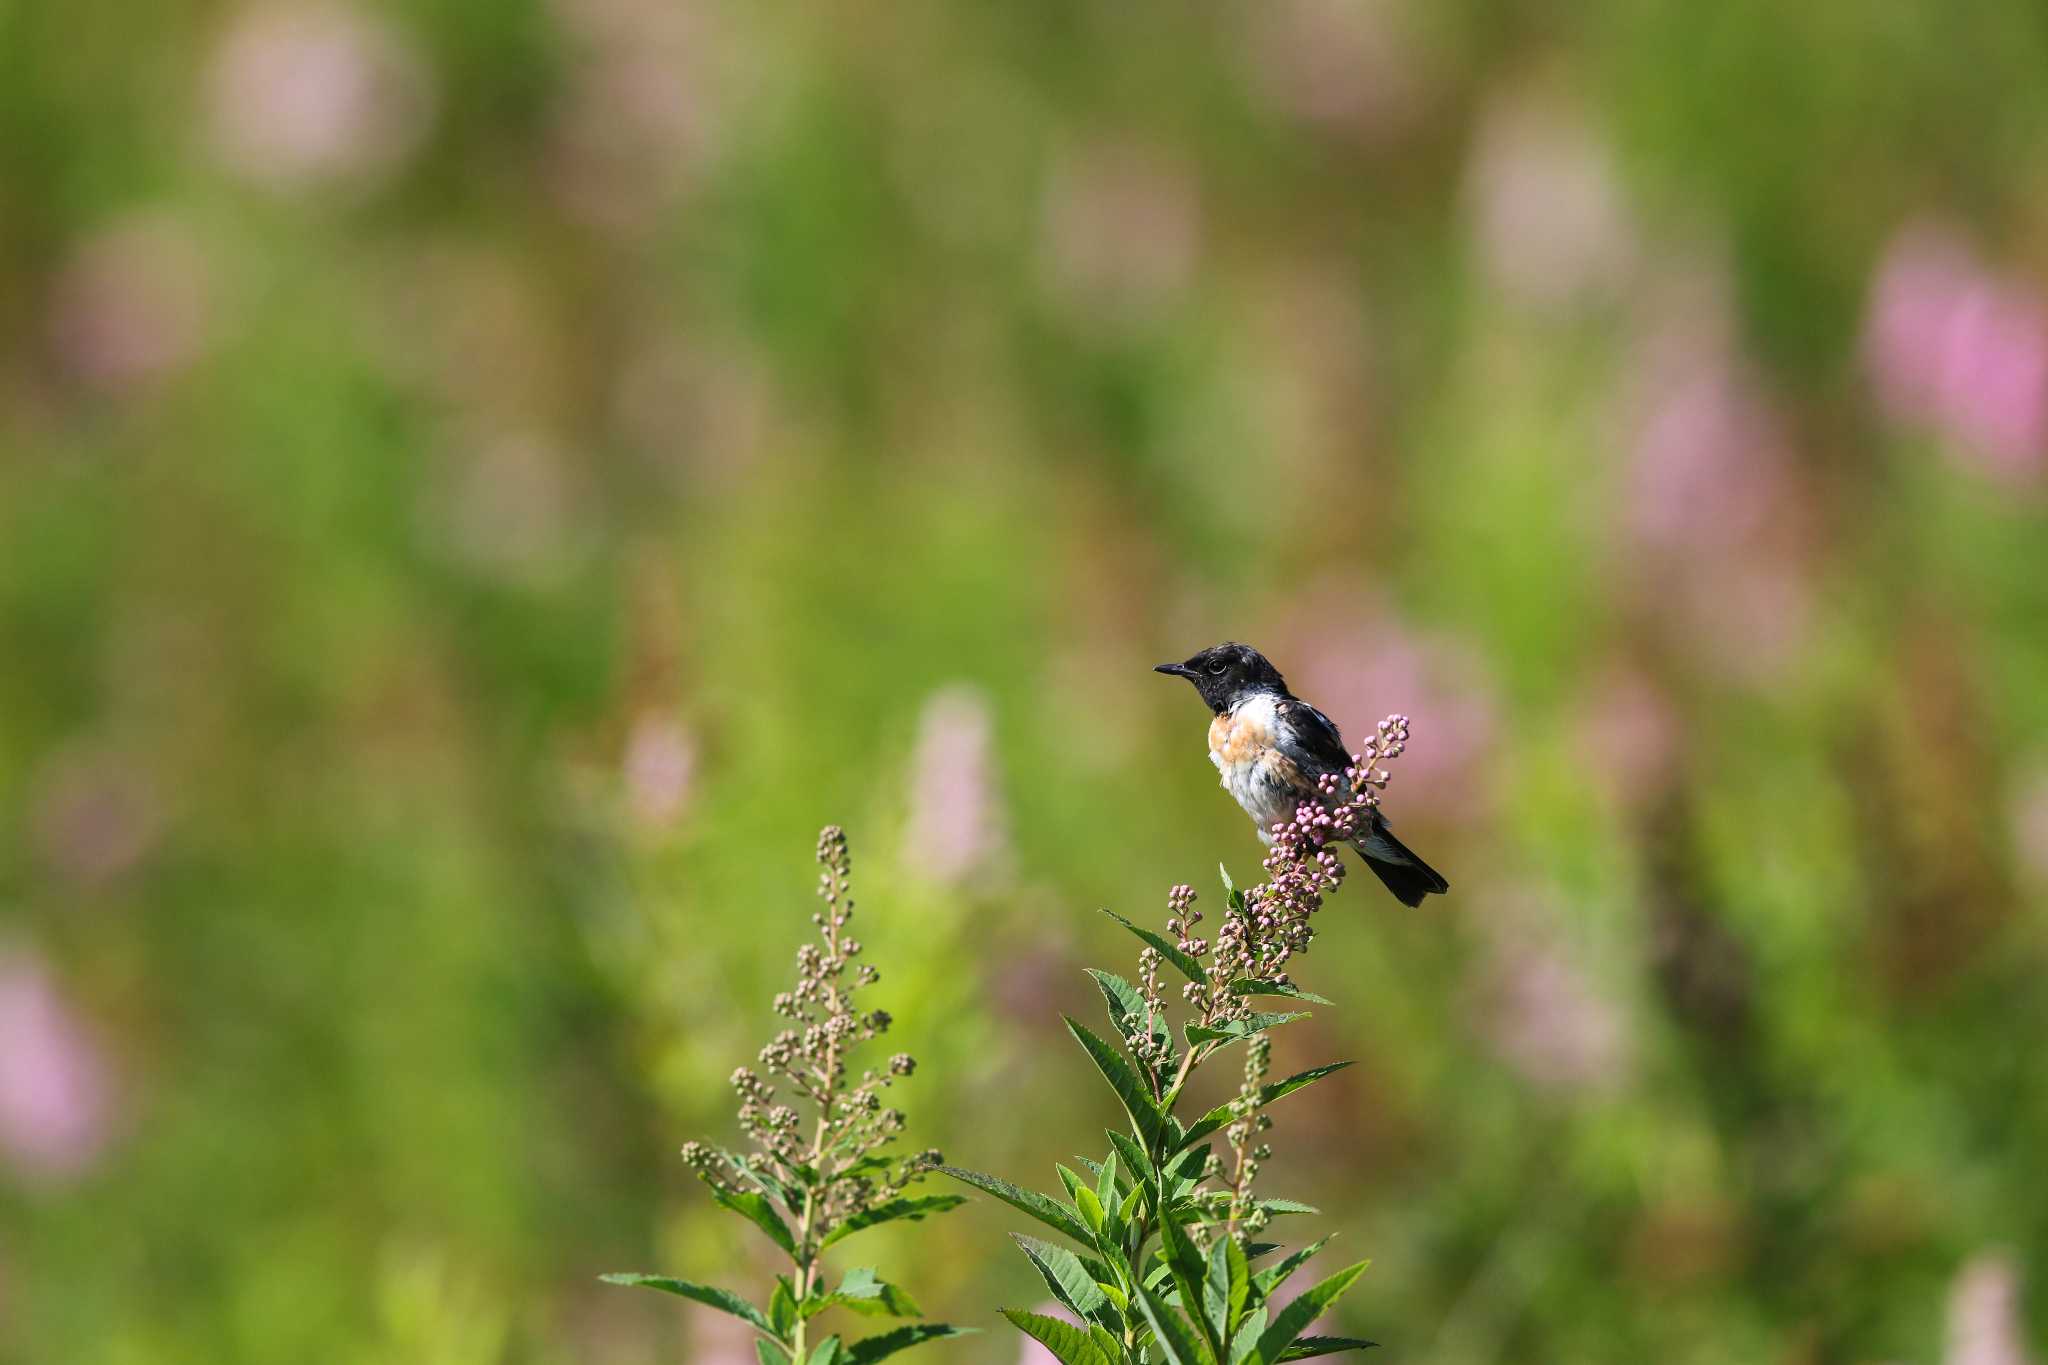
{"x": 1225, "y": 674}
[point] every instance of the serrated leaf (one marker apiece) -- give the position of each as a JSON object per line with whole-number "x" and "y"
{"x": 768, "y": 1353}
{"x": 1239, "y": 1029}
{"x": 1176, "y": 1339}
{"x": 1134, "y": 1156}
{"x": 867, "y": 1351}
{"x": 915, "y": 1207}
{"x": 1228, "y": 885}
{"x": 1219, "y": 1116}
{"x": 1064, "y": 1275}
{"x": 1069, "y": 1344}
{"x": 722, "y": 1299}
{"x": 1278, "y": 1206}
{"x": 1269, "y": 1279}
{"x": 1182, "y": 963}
{"x": 1245, "y": 985}
{"x": 1128, "y": 1012}
{"x": 1294, "y": 1319}
{"x": 825, "y": 1352}
{"x": 1247, "y": 1339}
{"x": 1047, "y": 1211}
{"x": 1307, "y": 1348}
{"x": 1188, "y": 1272}
{"x": 866, "y": 1293}
{"x": 1105, "y": 1182}
{"x": 1137, "y": 1100}
{"x": 1226, "y": 1285}
{"x": 756, "y": 1209}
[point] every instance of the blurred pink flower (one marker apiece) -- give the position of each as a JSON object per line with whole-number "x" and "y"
{"x": 1543, "y": 1011}
{"x": 130, "y": 304}
{"x": 1710, "y": 457}
{"x": 312, "y": 92}
{"x": 1956, "y": 346}
{"x": 1628, "y": 731}
{"x": 54, "y": 1089}
{"x": 1549, "y": 218}
{"x": 660, "y": 767}
{"x": 1351, "y": 66}
{"x": 956, "y": 821}
{"x": 1357, "y": 661}
{"x": 1985, "y": 1326}
{"x": 1712, "y": 507}
{"x": 95, "y": 816}
{"x": 642, "y": 108}
{"x": 2029, "y": 824}
{"x": 1122, "y": 231}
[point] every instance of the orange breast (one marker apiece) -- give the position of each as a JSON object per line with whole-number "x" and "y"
{"x": 1240, "y": 738}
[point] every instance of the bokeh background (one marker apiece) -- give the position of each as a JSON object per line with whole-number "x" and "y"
{"x": 482, "y": 481}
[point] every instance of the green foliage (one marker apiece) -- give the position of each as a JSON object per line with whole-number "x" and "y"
{"x": 808, "y": 1198}
{"x": 1161, "y": 1267}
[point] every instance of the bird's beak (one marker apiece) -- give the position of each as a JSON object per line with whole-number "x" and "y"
{"x": 1177, "y": 670}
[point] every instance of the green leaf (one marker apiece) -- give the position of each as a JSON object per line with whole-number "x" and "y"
{"x": 1245, "y": 985}
{"x": 1188, "y": 1270}
{"x": 1299, "y": 1080}
{"x": 918, "y": 1206}
{"x": 768, "y": 1353}
{"x": 1226, "y": 1286}
{"x": 1092, "y": 1212}
{"x": 1231, "y": 895}
{"x": 1065, "y": 1275}
{"x": 825, "y": 1352}
{"x": 1128, "y": 1012}
{"x": 1105, "y": 1182}
{"x": 1176, "y": 1338}
{"x": 722, "y": 1299}
{"x": 1248, "y": 1332}
{"x": 756, "y": 1209}
{"x": 1238, "y": 1029}
{"x": 1047, "y": 1211}
{"x": 1277, "y": 1206}
{"x": 1188, "y": 1166}
{"x": 1182, "y": 963}
{"x": 1134, "y": 1156}
{"x": 1292, "y": 1320}
{"x": 782, "y": 1307}
{"x": 769, "y": 1183}
{"x": 865, "y": 1292}
{"x": 1305, "y": 1348}
{"x": 1267, "y": 1280}
{"x": 902, "y": 1339}
{"x": 1219, "y": 1116}
{"x": 1069, "y": 1344}
{"x": 1137, "y": 1100}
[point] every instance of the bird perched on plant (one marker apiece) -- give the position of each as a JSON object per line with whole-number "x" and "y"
{"x": 1273, "y": 749}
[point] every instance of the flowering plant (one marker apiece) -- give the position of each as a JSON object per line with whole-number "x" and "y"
{"x": 1195, "y": 1297}
{"x": 817, "y": 1174}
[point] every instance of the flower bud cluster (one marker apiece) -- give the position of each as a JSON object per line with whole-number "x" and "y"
{"x": 826, "y": 1158}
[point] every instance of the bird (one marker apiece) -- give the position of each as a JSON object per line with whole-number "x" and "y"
{"x": 1272, "y": 748}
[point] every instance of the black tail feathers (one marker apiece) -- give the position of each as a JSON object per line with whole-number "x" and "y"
{"x": 1407, "y": 876}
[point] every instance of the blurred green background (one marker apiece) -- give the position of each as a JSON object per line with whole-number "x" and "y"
{"x": 482, "y": 481}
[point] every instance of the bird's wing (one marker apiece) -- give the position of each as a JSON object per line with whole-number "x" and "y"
{"x": 1311, "y": 740}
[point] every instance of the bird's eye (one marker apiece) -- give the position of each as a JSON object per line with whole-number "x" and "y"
{"x": 1216, "y": 670}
